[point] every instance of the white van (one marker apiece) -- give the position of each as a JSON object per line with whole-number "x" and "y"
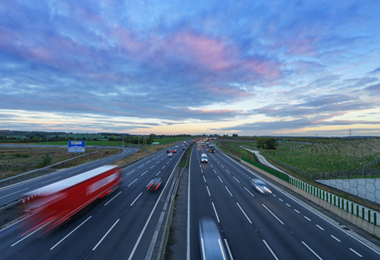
{"x": 204, "y": 158}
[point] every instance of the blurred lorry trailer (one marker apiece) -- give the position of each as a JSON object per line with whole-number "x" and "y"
{"x": 48, "y": 207}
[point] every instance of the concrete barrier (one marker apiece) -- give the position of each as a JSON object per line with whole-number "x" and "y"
{"x": 359, "y": 222}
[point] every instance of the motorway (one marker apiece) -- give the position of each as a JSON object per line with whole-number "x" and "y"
{"x": 252, "y": 225}
{"x": 16, "y": 191}
{"x": 257, "y": 226}
{"x": 120, "y": 226}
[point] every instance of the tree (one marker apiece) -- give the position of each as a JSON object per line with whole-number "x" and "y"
{"x": 261, "y": 142}
{"x": 271, "y": 143}
{"x": 35, "y": 139}
{"x": 235, "y": 135}
{"x": 149, "y": 140}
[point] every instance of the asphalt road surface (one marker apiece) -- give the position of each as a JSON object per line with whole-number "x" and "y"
{"x": 257, "y": 226}
{"x": 120, "y": 226}
{"x": 16, "y": 191}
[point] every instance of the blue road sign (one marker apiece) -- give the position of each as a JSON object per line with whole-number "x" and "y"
{"x": 77, "y": 146}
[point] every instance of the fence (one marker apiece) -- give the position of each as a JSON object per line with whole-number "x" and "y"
{"x": 355, "y": 209}
{"x": 280, "y": 175}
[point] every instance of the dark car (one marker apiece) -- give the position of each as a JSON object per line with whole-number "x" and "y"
{"x": 260, "y": 186}
{"x": 154, "y": 184}
{"x": 174, "y": 151}
{"x": 167, "y": 151}
{"x": 210, "y": 241}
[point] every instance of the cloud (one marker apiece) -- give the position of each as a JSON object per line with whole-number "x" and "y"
{"x": 150, "y": 63}
{"x": 375, "y": 71}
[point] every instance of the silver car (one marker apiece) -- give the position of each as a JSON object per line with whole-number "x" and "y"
{"x": 210, "y": 241}
{"x": 260, "y": 186}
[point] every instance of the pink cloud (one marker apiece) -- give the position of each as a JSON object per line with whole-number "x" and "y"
{"x": 210, "y": 53}
{"x": 128, "y": 43}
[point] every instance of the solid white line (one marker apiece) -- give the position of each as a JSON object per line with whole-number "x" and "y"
{"x": 228, "y": 248}
{"x": 220, "y": 179}
{"x": 136, "y": 199}
{"x": 105, "y": 235}
{"x": 228, "y": 191}
{"x": 273, "y": 214}
{"x": 307, "y": 218}
{"x": 13, "y": 193}
{"x": 356, "y": 252}
{"x": 51, "y": 180}
{"x": 249, "y": 192}
{"x": 158, "y": 173}
{"x": 244, "y": 213}
{"x": 287, "y": 205}
{"x": 335, "y": 238}
{"x": 270, "y": 249}
{"x": 311, "y": 250}
{"x": 236, "y": 179}
{"x": 317, "y": 213}
{"x": 188, "y": 215}
{"x": 70, "y": 233}
{"x": 29, "y": 235}
{"x": 112, "y": 198}
{"x": 132, "y": 182}
{"x": 204, "y": 178}
{"x": 150, "y": 216}
{"x": 296, "y": 211}
{"x": 216, "y": 213}
{"x": 321, "y": 228}
{"x": 208, "y": 191}
{"x": 131, "y": 172}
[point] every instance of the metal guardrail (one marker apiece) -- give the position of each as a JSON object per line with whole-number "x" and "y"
{"x": 44, "y": 168}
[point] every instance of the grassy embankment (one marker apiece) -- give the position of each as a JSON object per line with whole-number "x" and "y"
{"x": 351, "y": 154}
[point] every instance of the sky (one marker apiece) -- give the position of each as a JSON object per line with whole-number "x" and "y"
{"x": 279, "y": 67}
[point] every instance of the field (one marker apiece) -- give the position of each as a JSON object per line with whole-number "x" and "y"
{"x": 327, "y": 157}
{"x": 115, "y": 143}
{"x": 16, "y": 160}
{"x": 342, "y": 156}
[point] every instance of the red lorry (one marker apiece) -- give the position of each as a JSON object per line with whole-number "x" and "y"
{"x": 48, "y": 207}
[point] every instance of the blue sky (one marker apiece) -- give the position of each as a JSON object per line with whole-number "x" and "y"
{"x": 171, "y": 67}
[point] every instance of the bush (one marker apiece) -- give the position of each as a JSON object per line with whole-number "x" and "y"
{"x": 45, "y": 161}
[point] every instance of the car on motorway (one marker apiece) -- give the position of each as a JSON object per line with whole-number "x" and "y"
{"x": 183, "y": 148}
{"x": 204, "y": 158}
{"x": 168, "y": 151}
{"x": 260, "y": 186}
{"x": 210, "y": 241}
{"x": 174, "y": 151}
{"x": 170, "y": 154}
{"x": 154, "y": 184}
